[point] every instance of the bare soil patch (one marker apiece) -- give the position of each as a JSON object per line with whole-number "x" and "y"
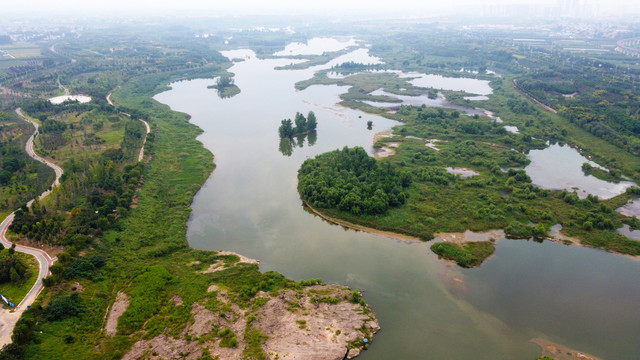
{"x": 117, "y": 309}
{"x": 561, "y": 352}
{"x": 316, "y": 322}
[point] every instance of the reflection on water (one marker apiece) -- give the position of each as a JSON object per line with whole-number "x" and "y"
{"x": 560, "y": 167}
{"x": 439, "y": 102}
{"x": 427, "y": 308}
{"x": 626, "y": 231}
{"x": 287, "y": 145}
{"x": 471, "y": 86}
{"x": 316, "y": 46}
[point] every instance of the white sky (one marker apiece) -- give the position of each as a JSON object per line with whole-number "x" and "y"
{"x": 217, "y": 7}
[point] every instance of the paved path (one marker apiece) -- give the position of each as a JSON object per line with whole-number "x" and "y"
{"x": 146, "y": 124}
{"x": 8, "y": 318}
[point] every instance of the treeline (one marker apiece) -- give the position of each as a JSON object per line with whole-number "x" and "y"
{"x": 598, "y": 96}
{"x": 352, "y": 181}
{"x": 303, "y": 125}
{"x": 12, "y": 269}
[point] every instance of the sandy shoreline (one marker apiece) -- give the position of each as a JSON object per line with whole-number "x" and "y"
{"x": 458, "y": 238}
{"x": 353, "y": 226}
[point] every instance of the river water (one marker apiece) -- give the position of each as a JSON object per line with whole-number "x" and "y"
{"x": 428, "y": 309}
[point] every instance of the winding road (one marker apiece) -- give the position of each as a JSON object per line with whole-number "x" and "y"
{"x": 9, "y": 318}
{"x": 146, "y": 124}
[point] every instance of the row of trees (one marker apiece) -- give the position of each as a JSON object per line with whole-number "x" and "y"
{"x": 352, "y": 181}
{"x": 302, "y": 125}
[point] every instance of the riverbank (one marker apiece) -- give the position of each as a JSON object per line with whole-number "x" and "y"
{"x": 158, "y": 269}
{"x": 358, "y": 227}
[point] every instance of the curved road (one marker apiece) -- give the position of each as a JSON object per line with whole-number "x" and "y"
{"x": 146, "y": 124}
{"x": 9, "y": 318}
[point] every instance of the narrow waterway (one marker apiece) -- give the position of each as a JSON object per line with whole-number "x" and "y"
{"x": 427, "y": 308}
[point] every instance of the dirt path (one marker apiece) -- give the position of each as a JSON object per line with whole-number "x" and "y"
{"x": 66, "y": 91}
{"x": 9, "y": 318}
{"x": 545, "y": 107}
{"x": 146, "y": 125}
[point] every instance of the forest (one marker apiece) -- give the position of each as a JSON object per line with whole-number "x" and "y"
{"x": 351, "y": 181}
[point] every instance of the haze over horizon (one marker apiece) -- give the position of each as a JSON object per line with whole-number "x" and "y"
{"x": 411, "y": 8}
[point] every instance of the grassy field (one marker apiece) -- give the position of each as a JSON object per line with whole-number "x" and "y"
{"x": 22, "y": 50}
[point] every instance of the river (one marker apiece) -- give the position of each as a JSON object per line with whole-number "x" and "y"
{"x": 582, "y": 298}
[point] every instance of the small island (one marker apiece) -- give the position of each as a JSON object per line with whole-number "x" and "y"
{"x": 226, "y": 87}
{"x": 303, "y": 126}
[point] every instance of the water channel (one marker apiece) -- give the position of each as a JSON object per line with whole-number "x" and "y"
{"x": 428, "y": 309}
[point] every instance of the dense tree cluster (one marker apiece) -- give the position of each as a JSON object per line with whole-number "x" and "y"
{"x": 302, "y": 125}
{"x": 350, "y": 180}
{"x": 12, "y": 269}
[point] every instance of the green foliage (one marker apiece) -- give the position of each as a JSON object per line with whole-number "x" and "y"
{"x": 64, "y": 307}
{"x": 302, "y": 126}
{"x": 12, "y": 269}
{"x": 351, "y": 181}
{"x": 147, "y": 297}
{"x": 518, "y": 230}
{"x": 228, "y": 338}
{"x": 469, "y": 255}
{"x": 254, "y": 339}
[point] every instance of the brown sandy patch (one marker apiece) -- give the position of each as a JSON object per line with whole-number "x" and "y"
{"x": 117, "y": 309}
{"x": 204, "y": 320}
{"x": 177, "y": 300}
{"x": 243, "y": 259}
{"x": 215, "y": 267}
{"x": 313, "y": 330}
{"x": 470, "y": 236}
{"x": 353, "y": 226}
{"x": 561, "y": 352}
{"x": 164, "y": 347}
{"x": 382, "y": 135}
{"x": 385, "y": 152}
{"x": 298, "y": 324}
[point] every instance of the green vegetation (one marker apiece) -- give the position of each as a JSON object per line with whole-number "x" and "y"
{"x": 351, "y": 181}
{"x": 437, "y": 201}
{"x": 602, "y": 174}
{"x": 18, "y": 273}
{"x": 226, "y": 87}
{"x": 303, "y": 126}
{"x": 469, "y": 255}
{"x": 122, "y": 223}
{"x": 21, "y": 177}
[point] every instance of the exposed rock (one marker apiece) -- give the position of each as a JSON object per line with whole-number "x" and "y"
{"x": 316, "y": 322}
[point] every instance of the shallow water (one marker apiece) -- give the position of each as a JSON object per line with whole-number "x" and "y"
{"x": 427, "y": 308}
{"x": 439, "y": 101}
{"x": 560, "y": 167}
{"x": 316, "y": 46}
{"x": 469, "y": 85}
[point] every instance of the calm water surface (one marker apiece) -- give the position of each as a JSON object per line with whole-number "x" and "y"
{"x": 560, "y": 167}
{"x": 428, "y": 309}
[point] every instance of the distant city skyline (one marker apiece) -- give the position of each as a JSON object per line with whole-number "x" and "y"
{"x": 425, "y": 8}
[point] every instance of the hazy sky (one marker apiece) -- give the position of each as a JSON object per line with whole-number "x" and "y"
{"x": 217, "y": 7}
